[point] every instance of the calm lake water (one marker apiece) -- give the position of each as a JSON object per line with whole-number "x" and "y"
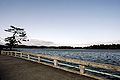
{"x": 94, "y": 55}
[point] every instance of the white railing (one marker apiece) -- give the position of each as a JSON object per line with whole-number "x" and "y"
{"x": 86, "y": 68}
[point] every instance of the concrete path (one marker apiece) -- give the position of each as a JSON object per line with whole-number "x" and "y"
{"x": 18, "y": 69}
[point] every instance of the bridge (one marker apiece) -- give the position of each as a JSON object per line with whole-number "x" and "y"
{"x": 29, "y": 66}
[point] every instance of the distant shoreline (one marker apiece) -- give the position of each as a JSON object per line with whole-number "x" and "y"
{"x": 101, "y": 46}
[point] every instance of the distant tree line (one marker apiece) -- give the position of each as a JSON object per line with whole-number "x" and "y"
{"x": 51, "y": 47}
{"x": 101, "y": 46}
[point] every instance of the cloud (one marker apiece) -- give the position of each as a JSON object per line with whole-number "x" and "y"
{"x": 2, "y": 42}
{"x": 36, "y": 42}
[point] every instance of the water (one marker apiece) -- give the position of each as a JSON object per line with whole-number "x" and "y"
{"x": 94, "y": 55}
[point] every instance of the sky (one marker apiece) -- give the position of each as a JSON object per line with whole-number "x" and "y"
{"x": 63, "y": 22}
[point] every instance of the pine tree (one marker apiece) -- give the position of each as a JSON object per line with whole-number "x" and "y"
{"x": 18, "y": 35}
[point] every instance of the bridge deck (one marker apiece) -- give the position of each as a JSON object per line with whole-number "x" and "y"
{"x": 18, "y": 69}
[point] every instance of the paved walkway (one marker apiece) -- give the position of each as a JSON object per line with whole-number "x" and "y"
{"x": 18, "y": 69}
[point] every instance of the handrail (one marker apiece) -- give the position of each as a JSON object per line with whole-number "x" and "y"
{"x": 72, "y": 65}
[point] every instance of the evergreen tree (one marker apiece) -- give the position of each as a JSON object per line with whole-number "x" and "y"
{"x": 18, "y": 35}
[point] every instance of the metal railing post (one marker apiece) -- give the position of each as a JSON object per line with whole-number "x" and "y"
{"x": 82, "y": 69}
{"x": 7, "y": 53}
{"x": 28, "y": 57}
{"x": 11, "y": 53}
{"x": 15, "y": 54}
{"x": 21, "y": 55}
{"x": 38, "y": 59}
{"x": 1, "y": 52}
{"x": 55, "y": 63}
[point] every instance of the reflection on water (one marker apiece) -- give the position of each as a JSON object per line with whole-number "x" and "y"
{"x": 101, "y": 56}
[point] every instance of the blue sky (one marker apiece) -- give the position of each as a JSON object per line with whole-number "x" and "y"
{"x": 64, "y": 22}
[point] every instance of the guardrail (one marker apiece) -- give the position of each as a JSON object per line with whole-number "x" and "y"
{"x": 86, "y": 68}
